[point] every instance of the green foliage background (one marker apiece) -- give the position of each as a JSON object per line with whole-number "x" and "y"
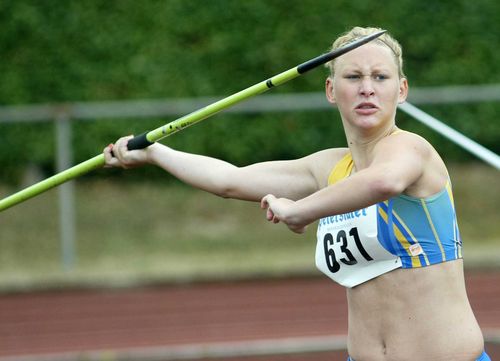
{"x": 64, "y": 51}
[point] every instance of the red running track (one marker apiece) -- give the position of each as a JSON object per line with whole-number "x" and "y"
{"x": 79, "y": 321}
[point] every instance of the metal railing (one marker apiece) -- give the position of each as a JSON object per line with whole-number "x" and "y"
{"x": 64, "y": 114}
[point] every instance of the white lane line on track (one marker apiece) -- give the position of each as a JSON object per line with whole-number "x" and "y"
{"x": 200, "y": 351}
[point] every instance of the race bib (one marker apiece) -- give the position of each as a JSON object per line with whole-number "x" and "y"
{"x": 348, "y": 250}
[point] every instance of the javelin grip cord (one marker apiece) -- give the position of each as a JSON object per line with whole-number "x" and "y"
{"x": 148, "y": 138}
{"x": 139, "y": 142}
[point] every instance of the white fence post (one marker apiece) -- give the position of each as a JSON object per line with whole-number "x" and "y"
{"x": 66, "y": 191}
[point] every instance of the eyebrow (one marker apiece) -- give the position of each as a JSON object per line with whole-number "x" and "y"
{"x": 356, "y": 68}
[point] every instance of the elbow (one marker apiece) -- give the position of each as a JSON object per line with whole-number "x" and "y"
{"x": 386, "y": 186}
{"x": 225, "y": 192}
{"x": 231, "y": 190}
{"x": 223, "y": 183}
{"x": 227, "y": 189}
{"x": 222, "y": 190}
{"x": 233, "y": 185}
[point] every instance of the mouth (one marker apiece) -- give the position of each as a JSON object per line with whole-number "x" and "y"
{"x": 366, "y": 108}
{"x": 366, "y": 105}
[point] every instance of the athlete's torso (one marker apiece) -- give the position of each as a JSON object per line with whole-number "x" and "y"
{"x": 415, "y": 308}
{"x": 402, "y": 232}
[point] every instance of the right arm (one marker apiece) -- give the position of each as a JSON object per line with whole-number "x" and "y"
{"x": 293, "y": 179}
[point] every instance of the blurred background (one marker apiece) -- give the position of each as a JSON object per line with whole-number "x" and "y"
{"x": 112, "y": 59}
{"x": 77, "y": 75}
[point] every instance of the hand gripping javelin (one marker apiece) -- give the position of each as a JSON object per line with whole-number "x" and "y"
{"x": 148, "y": 138}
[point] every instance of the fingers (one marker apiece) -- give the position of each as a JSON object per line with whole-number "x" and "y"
{"x": 120, "y": 149}
{"x": 271, "y": 217}
{"x": 116, "y": 155}
{"x": 278, "y": 210}
{"x": 110, "y": 161}
{"x": 266, "y": 203}
{"x": 263, "y": 202}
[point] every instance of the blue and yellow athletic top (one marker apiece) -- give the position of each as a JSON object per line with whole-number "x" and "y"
{"x": 403, "y": 231}
{"x": 405, "y": 222}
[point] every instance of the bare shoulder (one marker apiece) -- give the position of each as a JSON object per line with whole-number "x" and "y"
{"x": 411, "y": 145}
{"x": 321, "y": 163}
{"x": 405, "y": 140}
{"x": 414, "y": 155}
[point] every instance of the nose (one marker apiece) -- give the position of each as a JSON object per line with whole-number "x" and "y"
{"x": 366, "y": 87}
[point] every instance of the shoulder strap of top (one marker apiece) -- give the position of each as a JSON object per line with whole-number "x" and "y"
{"x": 341, "y": 170}
{"x": 344, "y": 167}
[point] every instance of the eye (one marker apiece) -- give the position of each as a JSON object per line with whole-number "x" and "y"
{"x": 352, "y": 76}
{"x": 380, "y": 77}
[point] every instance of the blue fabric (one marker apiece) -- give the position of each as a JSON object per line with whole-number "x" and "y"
{"x": 421, "y": 231}
{"x": 484, "y": 357}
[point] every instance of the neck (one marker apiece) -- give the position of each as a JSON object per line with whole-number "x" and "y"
{"x": 362, "y": 142}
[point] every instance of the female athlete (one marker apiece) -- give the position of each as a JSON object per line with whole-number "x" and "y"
{"x": 387, "y": 227}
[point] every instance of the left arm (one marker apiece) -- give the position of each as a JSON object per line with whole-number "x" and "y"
{"x": 398, "y": 163}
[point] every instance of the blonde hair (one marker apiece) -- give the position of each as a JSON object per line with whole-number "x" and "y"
{"x": 385, "y": 40}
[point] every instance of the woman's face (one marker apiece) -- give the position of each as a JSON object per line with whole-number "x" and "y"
{"x": 366, "y": 86}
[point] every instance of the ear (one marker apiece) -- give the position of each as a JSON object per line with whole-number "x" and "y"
{"x": 403, "y": 90}
{"x": 330, "y": 94}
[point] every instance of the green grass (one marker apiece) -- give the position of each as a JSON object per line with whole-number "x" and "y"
{"x": 141, "y": 232}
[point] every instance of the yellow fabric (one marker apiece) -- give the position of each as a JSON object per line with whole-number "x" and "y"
{"x": 341, "y": 170}
{"x": 344, "y": 167}
{"x": 421, "y": 231}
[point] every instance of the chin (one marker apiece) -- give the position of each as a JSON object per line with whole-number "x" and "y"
{"x": 367, "y": 123}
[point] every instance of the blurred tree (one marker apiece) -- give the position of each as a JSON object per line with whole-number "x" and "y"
{"x": 54, "y": 51}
